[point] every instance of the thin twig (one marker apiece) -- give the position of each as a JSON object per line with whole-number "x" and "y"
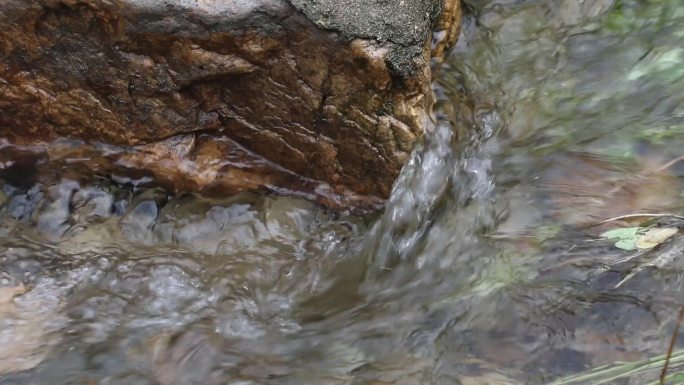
{"x": 670, "y": 164}
{"x": 673, "y": 340}
{"x": 630, "y": 257}
{"x": 638, "y": 215}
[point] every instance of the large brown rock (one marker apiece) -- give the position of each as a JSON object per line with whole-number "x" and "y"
{"x": 308, "y": 90}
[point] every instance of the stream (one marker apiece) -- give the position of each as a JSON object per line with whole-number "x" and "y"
{"x": 486, "y": 267}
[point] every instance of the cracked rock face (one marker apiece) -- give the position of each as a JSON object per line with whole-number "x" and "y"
{"x": 313, "y": 95}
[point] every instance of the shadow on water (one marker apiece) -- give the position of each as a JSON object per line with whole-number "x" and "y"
{"x": 484, "y": 268}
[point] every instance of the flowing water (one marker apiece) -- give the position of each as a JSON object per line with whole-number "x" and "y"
{"x": 484, "y": 268}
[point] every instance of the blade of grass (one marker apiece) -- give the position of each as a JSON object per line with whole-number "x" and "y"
{"x": 606, "y": 373}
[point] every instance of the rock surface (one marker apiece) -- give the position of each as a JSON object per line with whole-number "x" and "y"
{"x": 311, "y": 91}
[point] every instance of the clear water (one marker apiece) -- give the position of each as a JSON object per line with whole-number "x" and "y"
{"x": 484, "y": 267}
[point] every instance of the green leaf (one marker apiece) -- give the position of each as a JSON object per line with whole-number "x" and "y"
{"x": 626, "y": 244}
{"x": 622, "y": 233}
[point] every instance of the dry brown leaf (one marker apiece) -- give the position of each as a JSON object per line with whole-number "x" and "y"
{"x": 655, "y": 236}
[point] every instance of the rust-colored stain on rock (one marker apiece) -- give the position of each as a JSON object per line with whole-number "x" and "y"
{"x": 315, "y": 107}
